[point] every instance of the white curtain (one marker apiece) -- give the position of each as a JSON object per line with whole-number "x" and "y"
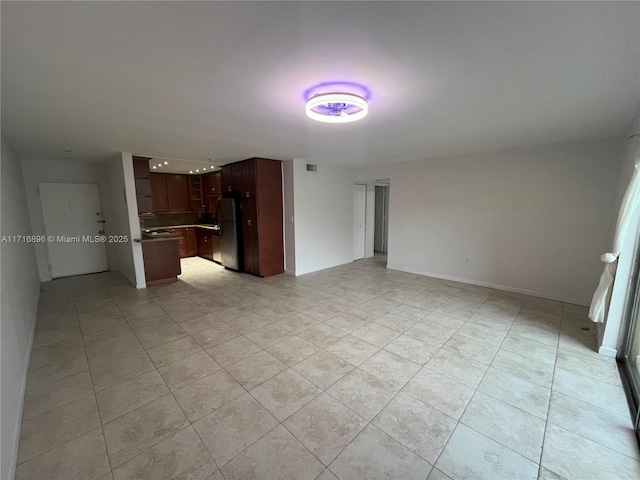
{"x": 630, "y": 201}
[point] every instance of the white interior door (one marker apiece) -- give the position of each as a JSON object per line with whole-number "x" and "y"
{"x": 359, "y": 213}
{"x": 72, "y": 220}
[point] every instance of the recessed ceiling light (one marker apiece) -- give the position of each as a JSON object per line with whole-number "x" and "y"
{"x": 154, "y": 167}
{"x": 204, "y": 169}
{"x": 159, "y": 164}
{"x": 166, "y": 163}
{"x": 336, "y": 107}
{"x": 190, "y": 171}
{"x": 197, "y": 171}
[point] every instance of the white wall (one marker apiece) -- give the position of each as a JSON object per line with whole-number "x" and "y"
{"x": 20, "y": 289}
{"x": 289, "y": 217}
{"x": 528, "y": 220}
{"x": 323, "y": 203}
{"x": 38, "y": 170}
{"x": 119, "y": 225}
{"x": 129, "y": 184}
{"x": 611, "y": 334}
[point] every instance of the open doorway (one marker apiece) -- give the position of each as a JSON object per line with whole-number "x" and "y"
{"x": 381, "y": 220}
{"x": 381, "y": 214}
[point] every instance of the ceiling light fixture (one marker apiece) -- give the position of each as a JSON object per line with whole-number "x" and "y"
{"x": 190, "y": 171}
{"x": 337, "y": 107}
{"x": 166, "y": 163}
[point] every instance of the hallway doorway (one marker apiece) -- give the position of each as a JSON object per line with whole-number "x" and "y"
{"x": 381, "y": 215}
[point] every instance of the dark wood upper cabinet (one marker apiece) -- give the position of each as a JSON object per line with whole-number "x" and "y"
{"x": 159, "y": 192}
{"x": 170, "y": 192}
{"x": 141, "y": 167}
{"x": 249, "y": 181}
{"x": 177, "y": 193}
{"x": 231, "y": 177}
{"x": 196, "y": 193}
{"x": 212, "y": 190}
{"x": 211, "y": 184}
{"x": 143, "y": 186}
{"x": 216, "y": 184}
{"x": 225, "y": 178}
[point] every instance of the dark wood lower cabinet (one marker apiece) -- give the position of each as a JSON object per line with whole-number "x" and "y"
{"x": 161, "y": 261}
{"x": 205, "y": 245}
{"x": 187, "y": 242}
{"x": 215, "y": 244}
{"x": 192, "y": 242}
{"x": 182, "y": 241}
{"x": 250, "y": 235}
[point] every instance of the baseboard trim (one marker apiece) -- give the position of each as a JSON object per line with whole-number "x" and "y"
{"x": 290, "y": 272}
{"x": 324, "y": 267}
{"x": 505, "y": 288}
{"x": 608, "y": 352}
{"x": 23, "y": 389}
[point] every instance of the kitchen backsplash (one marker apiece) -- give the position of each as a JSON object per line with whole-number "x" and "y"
{"x": 165, "y": 220}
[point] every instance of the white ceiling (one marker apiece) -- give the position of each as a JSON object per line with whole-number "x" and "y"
{"x": 227, "y": 80}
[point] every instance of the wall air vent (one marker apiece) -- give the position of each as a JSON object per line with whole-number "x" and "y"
{"x": 311, "y": 167}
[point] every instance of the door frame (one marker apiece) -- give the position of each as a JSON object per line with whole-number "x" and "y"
{"x": 631, "y": 379}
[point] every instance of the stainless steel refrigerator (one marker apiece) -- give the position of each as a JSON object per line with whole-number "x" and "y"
{"x": 230, "y": 221}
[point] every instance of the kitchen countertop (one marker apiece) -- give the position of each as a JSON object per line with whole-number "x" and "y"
{"x": 207, "y": 227}
{"x": 157, "y": 237}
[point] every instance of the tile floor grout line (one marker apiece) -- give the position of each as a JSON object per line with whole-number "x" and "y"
{"x": 155, "y": 399}
{"x": 370, "y": 422}
{"x": 378, "y": 293}
{"x": 459, "y": 421}
{"x": 93, "y": 386}
{"x": 189, "y": 422}
{"x": 546, "y": 420}
{"x": 66, "y": 404}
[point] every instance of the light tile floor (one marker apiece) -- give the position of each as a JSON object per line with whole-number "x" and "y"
{"x": 356, "y": 372}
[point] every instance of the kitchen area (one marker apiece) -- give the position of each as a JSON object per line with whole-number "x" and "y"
{"x": 231, "y": 216}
